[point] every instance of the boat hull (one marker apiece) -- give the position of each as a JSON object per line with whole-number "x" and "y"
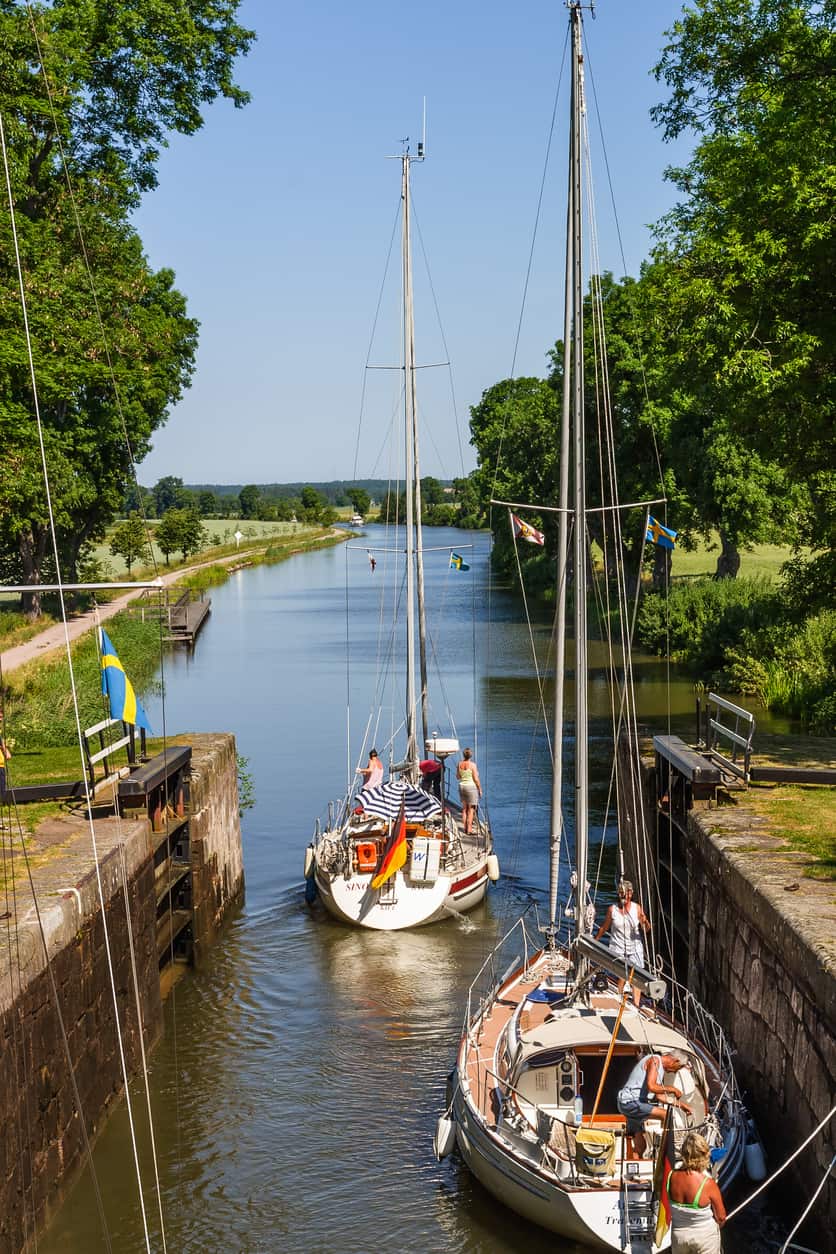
{"x": 402, "y": 903}
{"x": 594, "y": 1217}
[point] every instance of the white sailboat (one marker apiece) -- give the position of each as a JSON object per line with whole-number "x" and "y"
{"x": 400, "y": 855}
{"x": 548, "y": 1045}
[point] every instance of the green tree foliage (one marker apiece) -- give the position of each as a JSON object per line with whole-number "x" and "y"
{"x": 129, "y": 540}
{"x": 180, "y": 529}
{"x": 750, "y": 253}
{"x": 121, "y": 77}
{"x": 208, "y": 505}
{"x": 312, "y": 504}
{"x": 360, "y": 499}
{"x": 169, "y": 493}
{"x": 249, "y": 499}
{"x": 514, "y": 428}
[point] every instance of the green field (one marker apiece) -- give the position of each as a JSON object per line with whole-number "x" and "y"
{"x": 763, "y": 560}
{"x": 221, "y": 533}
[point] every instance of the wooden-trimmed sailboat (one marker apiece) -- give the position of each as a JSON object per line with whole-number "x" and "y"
{"x": 549, "y": 1039}
{"x": 400, "y": 856}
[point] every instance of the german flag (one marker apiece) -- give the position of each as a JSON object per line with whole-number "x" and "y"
{"x": 665, "y": 1163}
{"x": 395, "y": 853}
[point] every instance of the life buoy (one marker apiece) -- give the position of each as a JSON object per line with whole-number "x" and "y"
{"x": 366, "y": 856}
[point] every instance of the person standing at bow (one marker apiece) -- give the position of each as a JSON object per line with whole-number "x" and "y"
{"x": 470, "y": 789}
{"x": 626, "y": 921}
{"x": 373, "y": 773}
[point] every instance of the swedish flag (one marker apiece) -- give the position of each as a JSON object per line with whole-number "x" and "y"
{"x": 663, "y": 536}
{"x": 456, "y": 562}
{"x": 118, "y": 688}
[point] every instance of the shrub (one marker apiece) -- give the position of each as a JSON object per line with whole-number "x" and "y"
{"x": 704, "y": 620}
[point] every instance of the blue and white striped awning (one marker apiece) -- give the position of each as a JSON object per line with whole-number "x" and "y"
{"x": 385, "y": 801}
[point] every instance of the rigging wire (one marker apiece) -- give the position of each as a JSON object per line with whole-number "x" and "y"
{"x": 64, "y": 617}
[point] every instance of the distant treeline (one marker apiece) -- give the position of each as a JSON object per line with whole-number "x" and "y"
{"x": 442, "y": 504}
{"x": 336, "y": 492}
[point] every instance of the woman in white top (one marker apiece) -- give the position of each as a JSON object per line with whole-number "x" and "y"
{"x": 626, "y": 921}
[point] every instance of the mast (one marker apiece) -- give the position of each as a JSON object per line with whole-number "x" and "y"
{"x": 411, "y": 477}
{"x": 579, "y": 555}
{"x": 562, "y": 559}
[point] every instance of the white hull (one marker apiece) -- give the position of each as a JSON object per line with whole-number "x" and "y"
{"x": 595, "y": 1217}
{"x": 402, "y": 903}
{"x": 524, "y": 1062}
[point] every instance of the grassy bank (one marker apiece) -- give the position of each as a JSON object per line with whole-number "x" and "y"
{"x": 38, "y": 698}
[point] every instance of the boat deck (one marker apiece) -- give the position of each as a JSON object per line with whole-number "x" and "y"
{"x": 484, "y": 1069}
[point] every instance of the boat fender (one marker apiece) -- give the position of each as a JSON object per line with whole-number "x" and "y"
{"x": 310, "y": 862}
{"x": 311, "y": 891}
{"x": 493, "y": 867}
{"x": 753, "y": 1157}
{"x": 445, "y": 1137}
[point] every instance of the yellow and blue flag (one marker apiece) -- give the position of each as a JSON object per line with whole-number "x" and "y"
{"x": 665, "y": 537}
{"x": 456, "y": 562}
{"x": 118, "y": 688}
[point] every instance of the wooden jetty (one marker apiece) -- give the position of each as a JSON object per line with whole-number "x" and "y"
{"x": 186, "y": 616}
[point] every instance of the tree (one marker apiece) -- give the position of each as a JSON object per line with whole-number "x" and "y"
{"x": 130, "y": 541}
{"x": 207, "y": 504}
{"x": 169, "y": 493}
{"x": 121, "y": 77}
{"x": 248, "y": 501}
{"x": 167, "y": 534}
{"x": 432, "y": 493}
{"x": 312, "y": 504}
{"x": 750, "y": 249}
{"x": 193, "y": 536}
{"x": 180, "y": 529}
{"x": 360, "y": 499}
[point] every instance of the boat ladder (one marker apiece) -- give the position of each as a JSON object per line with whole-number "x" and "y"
{"x": 639, "y": 1217}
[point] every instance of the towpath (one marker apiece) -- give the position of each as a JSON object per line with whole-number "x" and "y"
{"x": 55, "y": 637}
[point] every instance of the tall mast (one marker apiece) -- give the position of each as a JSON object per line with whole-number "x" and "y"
{"x": 562, "y": 558}
{"x": 579, "y": 556}
{"x": 411, "y": 444}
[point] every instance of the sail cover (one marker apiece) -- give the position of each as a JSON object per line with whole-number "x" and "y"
{"x": 385, "y": 801}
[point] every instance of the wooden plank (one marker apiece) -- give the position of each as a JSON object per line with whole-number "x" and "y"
{"x": 792, "y": 775}
{"x": 140, "y": 782}
{"x": 687, "y": 762}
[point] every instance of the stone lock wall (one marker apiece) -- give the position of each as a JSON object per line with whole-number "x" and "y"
{"x": 41, "y": 1146}
{"x": 215, "y": 836}
{"x": 763, "y": 961}
{"x": 42, "y": 1142}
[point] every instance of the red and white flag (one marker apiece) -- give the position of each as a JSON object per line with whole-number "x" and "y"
{"x": 524, "y": 531}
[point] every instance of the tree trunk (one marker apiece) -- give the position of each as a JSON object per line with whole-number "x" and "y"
{"x": 728, "y": 563}
{"x": 32, "y": 546}
{"x": 661, "y": 567}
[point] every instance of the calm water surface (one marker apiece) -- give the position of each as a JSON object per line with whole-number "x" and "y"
{"x": 296, "y": 1089}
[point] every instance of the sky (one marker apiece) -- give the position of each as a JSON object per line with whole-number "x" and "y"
{"x": 277, "y": 219}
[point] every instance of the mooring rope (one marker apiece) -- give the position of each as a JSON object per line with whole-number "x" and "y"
{"x": 784, "y": 1166}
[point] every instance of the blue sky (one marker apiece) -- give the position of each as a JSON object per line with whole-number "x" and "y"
{"x": 276, "y": 219}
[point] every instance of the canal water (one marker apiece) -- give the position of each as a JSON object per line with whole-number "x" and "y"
{"x": 297, "y": 1086}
